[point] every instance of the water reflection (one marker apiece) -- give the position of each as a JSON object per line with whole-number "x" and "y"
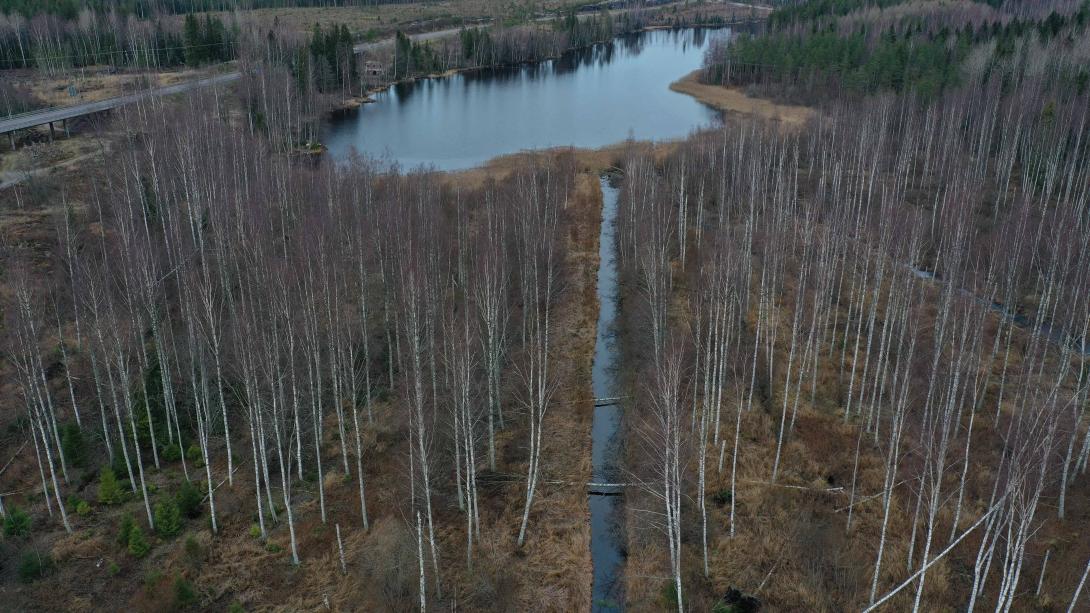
{"x": 589, "y": 97}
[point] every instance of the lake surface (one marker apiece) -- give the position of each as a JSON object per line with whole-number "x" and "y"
{"x": 589, "y": 98}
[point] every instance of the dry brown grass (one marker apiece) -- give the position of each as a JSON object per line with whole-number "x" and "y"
{"x": 97, "y": 83}
{"x": 734, "y": 100}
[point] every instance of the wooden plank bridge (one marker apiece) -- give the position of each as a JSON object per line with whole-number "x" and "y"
{"x": 608, "y": 489}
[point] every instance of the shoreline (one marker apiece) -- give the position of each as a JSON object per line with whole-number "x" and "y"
{"x": 734, "y": 100}
{"x": 355, "y": 102}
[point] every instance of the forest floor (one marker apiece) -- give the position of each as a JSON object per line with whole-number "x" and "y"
{"x": 793, "y": 547}
{"x": 552, "y": 571}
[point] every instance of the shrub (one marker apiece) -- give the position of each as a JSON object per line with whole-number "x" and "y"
{"x": 721, "y": 498}
{"x": 193, "y": 454}
{"x": 737, "y": 602}
{"x": 73, "y": 445}
{"x": 109, "y": 490}
{"x": 669, "y": 595}
{"x": 123, "y": 531}
{"x": 171, "y": 453}
{"x": 235, "y": 608}
{"x": 189, "y": 500}
{"x": 184, "y": 594}
{"x": 152, "y": 579}
{"x": 118, "y": 465}
{"x": 113, "y": 569}
{"x": 138, "y": 545}
{"x": 193, "y": 551}
{"x": 34, "y": 566}
{"x": 82, "y": 508}
{"x": 273, "y": 548}
{"x": 168, "y": 521}
{"x": 17, "y": 523}
{"x": 255, "y": 531}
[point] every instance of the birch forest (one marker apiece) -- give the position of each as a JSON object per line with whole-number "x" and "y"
{"x": 853, "y": 351}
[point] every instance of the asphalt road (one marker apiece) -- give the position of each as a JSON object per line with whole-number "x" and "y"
{"x": 44, "y": 116}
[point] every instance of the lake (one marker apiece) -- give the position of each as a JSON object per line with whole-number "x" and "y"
{"x": 587, "y": 98}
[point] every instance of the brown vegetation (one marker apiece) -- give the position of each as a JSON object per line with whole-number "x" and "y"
{"x": 734, "y": 100}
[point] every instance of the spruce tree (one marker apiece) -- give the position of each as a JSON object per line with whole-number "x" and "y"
{"x": 138, "y": 545}
{"x": 168, "y": 521}
{"x": 109, "y": 490}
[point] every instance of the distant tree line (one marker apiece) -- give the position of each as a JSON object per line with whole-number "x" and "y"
{"x": 499, "y": 47}
{"x": 923, "y": 64}
{"x": 149, "y": 8}
{"x": 805, "y": 11}
{"x": 51, "y": 43}
{"x": 809, "y": 46}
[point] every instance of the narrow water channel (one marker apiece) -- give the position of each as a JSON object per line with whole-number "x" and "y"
{"x": 1076, "y": 340}
{"x": 607, "y": 539}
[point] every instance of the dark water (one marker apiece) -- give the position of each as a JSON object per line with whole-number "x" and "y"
{"x": 1079, "y": 344}
{"x": 587, "y": 98}
{"x": 607, "y": 540}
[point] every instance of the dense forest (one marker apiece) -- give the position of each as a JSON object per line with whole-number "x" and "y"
{"x": 815, "y": 49}
{"x": 53, "y": 44}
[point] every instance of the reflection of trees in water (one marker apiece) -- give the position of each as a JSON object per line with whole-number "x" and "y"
{"x": 699, "y": 35}
{"x": 406, "y": 90}
{"x": 434, "y": 85}
{"x": 506, "y": 74}
{"x": 633, "y": 43}
{"x": 600, "y": 55}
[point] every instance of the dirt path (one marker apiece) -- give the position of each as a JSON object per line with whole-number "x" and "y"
{"x": 15, "y": 177}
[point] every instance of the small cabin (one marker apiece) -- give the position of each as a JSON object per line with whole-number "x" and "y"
{"x": 372, "y": 68}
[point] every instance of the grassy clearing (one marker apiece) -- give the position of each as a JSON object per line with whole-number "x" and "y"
{"x": 95, "y": 84}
